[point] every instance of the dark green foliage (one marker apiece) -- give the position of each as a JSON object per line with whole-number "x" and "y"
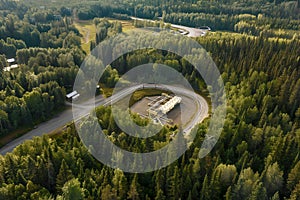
{"x": 31, "y": 93}
{"x": 72, "y": 191}
{"x": 63, "y": 176}
{"x": 28, "y": 107}
{"x": 93, "y": 11}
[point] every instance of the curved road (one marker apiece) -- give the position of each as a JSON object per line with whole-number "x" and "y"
{"x": 188, "y": 31}
{"x": 66, "y": 116}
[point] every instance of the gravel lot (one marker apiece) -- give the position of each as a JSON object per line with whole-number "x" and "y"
{"x": 181, "y": 114}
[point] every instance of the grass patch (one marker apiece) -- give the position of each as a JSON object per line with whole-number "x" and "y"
{"x": 136, "y": 96}
{"x": 5, "y": 139}
{"x": 127, "y": 25}
{"x": 140, "y": 94}
{"x": 88, "y": 31}
{"x": 106, "y": 91}
{"x": 54, "y": 134}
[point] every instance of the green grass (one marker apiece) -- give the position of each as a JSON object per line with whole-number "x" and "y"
{"x": 5, "y": 139}
{"x": 136, "y": 96}
{"x": 106, "y": 91}
{"x": 84, "y": 27}
{"x": 87, "y": 25}
{"x": 140, "y": 94}
{"x": 127, "y": 25}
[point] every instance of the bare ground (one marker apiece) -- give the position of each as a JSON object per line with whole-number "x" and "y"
{"x": 180, "y": 115}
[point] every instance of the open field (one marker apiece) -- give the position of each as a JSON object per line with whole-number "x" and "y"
{"x": 88, "y": 31}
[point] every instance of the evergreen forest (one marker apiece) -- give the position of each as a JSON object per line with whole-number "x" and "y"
{"x": 255, "y": 45}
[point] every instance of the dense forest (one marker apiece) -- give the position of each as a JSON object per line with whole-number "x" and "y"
{"x": 249, "y": 162}
{"x": 47, "y": 49}
{"x": 46, "y": 71}
{"x": 257, "y": 155}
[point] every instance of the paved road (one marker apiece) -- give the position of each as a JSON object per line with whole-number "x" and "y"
{"x": 62, "y": 119}
{"x": 188, "y": 31}
{"x": 84, "y": 109}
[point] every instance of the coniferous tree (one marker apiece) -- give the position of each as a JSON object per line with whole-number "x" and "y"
{"x": 72, "y": 190}
{"x": 259, "y": 193}
{"x": 120, "y": 183}
{"x": 133, "y": 193}
{"x": 64, "y": 175}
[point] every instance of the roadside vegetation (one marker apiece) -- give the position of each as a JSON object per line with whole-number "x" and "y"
{"x": 140, "y": 94}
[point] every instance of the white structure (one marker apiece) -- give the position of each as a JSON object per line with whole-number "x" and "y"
{"x": 167, "y": 107}
{"x": 72, "y": 94}
{"x": 7, "y": 69}
{"x": 205, "y": 28}
{"x": 11, "y": 65}
{"x": 74, "y": 98}
{"x": 160, "y": 106}
{"x": 11, "y": 60}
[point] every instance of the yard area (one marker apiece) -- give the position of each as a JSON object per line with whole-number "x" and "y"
{"x": 88, "y": 31}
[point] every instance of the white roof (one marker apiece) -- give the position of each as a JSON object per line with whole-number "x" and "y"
{"x": 170, "y": 105}
{"x": 11, "y": 60}
{"x": 6, "y": 69}
{"x": 72, "y": 94}
{"x": 14, "y": 66}
{"x": 75, "y": 97}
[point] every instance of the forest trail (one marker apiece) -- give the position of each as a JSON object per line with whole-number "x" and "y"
{"x": 87, "y": 35}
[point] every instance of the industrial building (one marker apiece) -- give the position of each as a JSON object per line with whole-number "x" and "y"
{"x": 167, "y": 107}
{"x": 162, "y": 105}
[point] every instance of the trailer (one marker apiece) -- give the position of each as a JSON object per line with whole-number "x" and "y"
{"x": 73, "y": 96}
